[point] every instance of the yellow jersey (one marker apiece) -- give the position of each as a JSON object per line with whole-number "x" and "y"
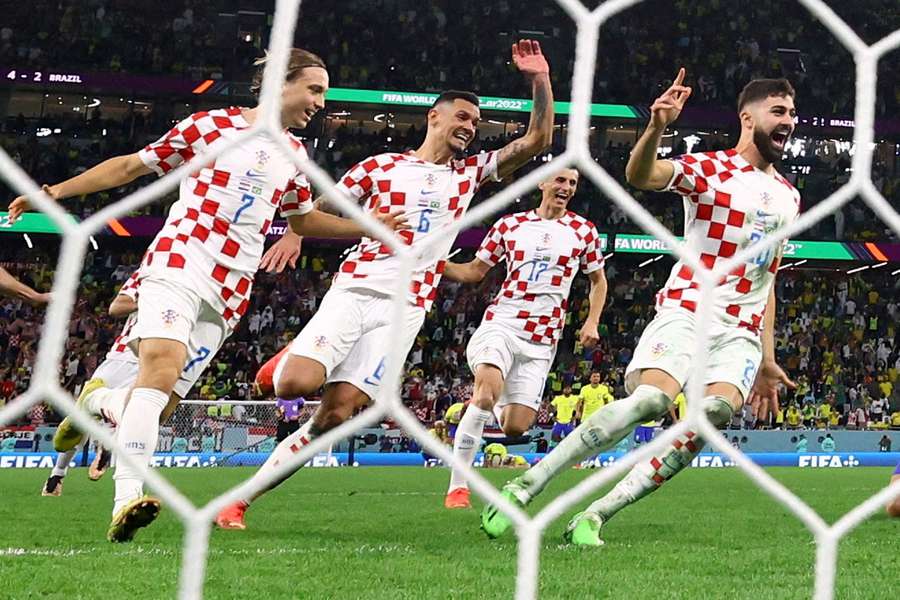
{"x": 680, "y": 406}
{"x": 454, "y": 413}
{"x": 565, "y": 408}
{"x": 496, "y": 449}
{"x": 593, "y": 398}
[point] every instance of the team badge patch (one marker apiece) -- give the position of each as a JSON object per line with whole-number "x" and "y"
{"x": 658, "y": 349}
{"x": 320, "y": 342}
{"x": 169, "y": 317}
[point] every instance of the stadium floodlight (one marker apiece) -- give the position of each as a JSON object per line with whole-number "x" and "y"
{"x": 197, "y": 521}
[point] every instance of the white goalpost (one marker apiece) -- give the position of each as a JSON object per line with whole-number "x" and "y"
{"x": 198, "y": 520}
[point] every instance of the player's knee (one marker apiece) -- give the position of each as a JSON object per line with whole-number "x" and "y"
{"x": 893, "y": 509}
{"x": 483, "y": 399}
{"x": 297, "y": 383}
{"x": 650, "y": 401}
{"x": 718, "y": 409}
{"x": 158, "y": 369}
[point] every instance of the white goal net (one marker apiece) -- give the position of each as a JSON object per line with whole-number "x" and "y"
{"x": 198, "y": 519}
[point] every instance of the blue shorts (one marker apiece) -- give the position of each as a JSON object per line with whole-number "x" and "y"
{"x": 561, "y": 430}
{"x": 897, "y": 470}
{"x": 643, "y": 434}
{"x": 451, "y": 431}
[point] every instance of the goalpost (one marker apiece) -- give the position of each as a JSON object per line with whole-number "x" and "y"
{"x": 198, "y": 519}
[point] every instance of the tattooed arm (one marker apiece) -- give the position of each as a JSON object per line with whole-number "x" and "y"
{"x": 531, "y": 62}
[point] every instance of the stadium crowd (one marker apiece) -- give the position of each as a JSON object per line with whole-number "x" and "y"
{"x": 52, "y": 159}
{"x": 381, "y": 44}
{"x": 837, "y": 337}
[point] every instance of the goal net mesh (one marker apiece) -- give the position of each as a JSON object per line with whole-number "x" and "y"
{"x": 198, "y": 519}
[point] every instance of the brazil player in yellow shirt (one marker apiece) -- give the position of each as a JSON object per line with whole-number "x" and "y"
{"x": 592, "y": 397}
{"x": 452, "y": 417}
{"x": 563, "y": 408}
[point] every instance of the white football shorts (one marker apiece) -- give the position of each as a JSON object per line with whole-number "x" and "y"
{"x": 523, "y": 363}
{"x": 351, "y": 335}
{"x": 668, "y": 343}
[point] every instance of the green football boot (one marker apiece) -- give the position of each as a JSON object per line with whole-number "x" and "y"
{"x": 493, "y": 521}
{"x": 67, "y": 435}
{"x": 584, "y": 530}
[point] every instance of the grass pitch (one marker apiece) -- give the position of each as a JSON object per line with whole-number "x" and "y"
{"x": 383, "y": 533}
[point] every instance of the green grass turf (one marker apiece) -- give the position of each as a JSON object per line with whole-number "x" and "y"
{"x": 383, "y": 533}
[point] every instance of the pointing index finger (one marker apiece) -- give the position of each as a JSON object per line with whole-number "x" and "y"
{"x": 679, "y": 79}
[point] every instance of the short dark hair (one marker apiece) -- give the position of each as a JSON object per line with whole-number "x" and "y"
{"x": 298, "y": 60}
{"x": 451, "y": 95}
{"x": 760, "y": 89}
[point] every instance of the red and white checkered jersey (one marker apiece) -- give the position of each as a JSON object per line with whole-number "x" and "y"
{"x": 729, "y": 205}
{"x": 433, "y": 196}
{"x": 542, "y": 258}
{"x": 120, "y": 351}
{"x": 214, "y": 235}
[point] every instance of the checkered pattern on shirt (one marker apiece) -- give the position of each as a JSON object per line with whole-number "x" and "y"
{"x": 389, "y": 182}
{"x": 214, "y": 235}
{"x": 724, "y": 194}
{"x": 542, "y": 256}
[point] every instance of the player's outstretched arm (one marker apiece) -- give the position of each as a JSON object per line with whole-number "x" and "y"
{"x": 111, "y": 173}
{"x": 470, "y": 272}
{"x": 529, "y": 59}
{"x": 10, "y": 286}
{"x": 644, "y": 171}
{"x": 590, "y": 334}
{"x": 317, "y": 223}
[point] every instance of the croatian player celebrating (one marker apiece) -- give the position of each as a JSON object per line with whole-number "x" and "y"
{"x": 197, "y": 274}
{"x": 733, "y": 199}
{"x": 343, "y": 347}
{"x": 512, "y": 350}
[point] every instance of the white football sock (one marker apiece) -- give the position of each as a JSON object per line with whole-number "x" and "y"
{"x": 467, "y": 442}
{"x": 288, "y": 447}
{"x": 602, "y": 430}
{"x": 107, "y": 403}
{"x": 138, "y": 433}
{"x": 63, "y": 460}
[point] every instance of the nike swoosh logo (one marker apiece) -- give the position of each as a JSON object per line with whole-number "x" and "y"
{"x": 424, "y": 193}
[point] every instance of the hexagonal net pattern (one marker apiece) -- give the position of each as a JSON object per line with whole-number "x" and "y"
{"x": 198, "y": 519}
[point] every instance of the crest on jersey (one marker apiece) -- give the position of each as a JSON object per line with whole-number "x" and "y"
{"x": 658, "y": 349}
{"x": 430, "y": 180}
{"x": 320, "y": 341}
{"x": 766, "y": 199}
{"x": 169, "y": 317}
{"x": 544, "y": 243}
{"x": 261, "y": 159}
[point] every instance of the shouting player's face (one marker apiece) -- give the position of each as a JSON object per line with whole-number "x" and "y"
{"x": 559, "y": 189}
{"x": 303, "y": 97}
{"x": 773, "y": 124}
{"x": 456, "y": 123}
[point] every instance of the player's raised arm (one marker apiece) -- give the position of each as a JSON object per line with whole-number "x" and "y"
{"x": 470, "y": 272}
{"x": 529, "y": 59}
{"x": 644, "y": 171}
{"x": 111, "y": 173}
